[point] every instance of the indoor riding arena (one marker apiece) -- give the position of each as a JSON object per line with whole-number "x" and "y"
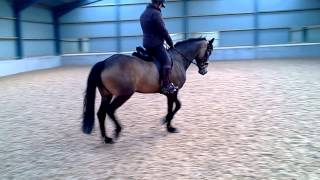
{"x": 254, "y": 115}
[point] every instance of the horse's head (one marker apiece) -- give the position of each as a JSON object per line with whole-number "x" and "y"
{"x": 203, "y": 55}
{"x": 198, "y": 49}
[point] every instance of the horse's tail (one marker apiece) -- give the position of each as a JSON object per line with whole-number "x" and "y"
{"x": 94, "y": 80}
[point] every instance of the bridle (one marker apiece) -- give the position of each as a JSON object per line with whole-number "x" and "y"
{"x": 202, "y": 62}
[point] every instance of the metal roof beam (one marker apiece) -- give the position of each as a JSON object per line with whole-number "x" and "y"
{"x": 19, "y": 5}
{"x": 63, "y": 9}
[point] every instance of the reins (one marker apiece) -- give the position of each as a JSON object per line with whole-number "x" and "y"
{"x": 192, "y": 61}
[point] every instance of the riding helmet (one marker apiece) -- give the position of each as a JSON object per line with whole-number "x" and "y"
{"x": 160, "y": 1}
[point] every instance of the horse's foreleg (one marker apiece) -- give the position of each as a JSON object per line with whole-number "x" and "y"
{"x": 102, "y": 112}
{"x": 172, "y": 99}
{"x": 115, "y": 104}
{"x": 178, "y": 106}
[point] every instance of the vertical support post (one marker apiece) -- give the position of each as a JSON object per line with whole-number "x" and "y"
{"x": 17, "y": 24}
{"x": 80, "y": 45}
{"x": 256, "y": 27}
{"x": 18, "y": 6}
{"x": 56, "y": 26}
{"x": 185, "y": 19}
{"x": 118, "y": 29}
{"x": 61, "y": 10}
{"x": 304, "y": 35}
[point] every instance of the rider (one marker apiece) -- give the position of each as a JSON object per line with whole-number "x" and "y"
{"x": 154, "y": 35}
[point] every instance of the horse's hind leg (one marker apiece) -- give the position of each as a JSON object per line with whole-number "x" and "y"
{"x": 171, "y": 100}
{"x": 102, "y": 112}
{"x": 115, "y": 104}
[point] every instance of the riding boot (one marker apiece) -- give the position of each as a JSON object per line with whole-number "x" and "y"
{"x": 167, "y": 86}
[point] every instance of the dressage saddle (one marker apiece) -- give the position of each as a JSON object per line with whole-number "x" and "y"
{"x": 143, "y": 54}
{"x": 146, "y": 56}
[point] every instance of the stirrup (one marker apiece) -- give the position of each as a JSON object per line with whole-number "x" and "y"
{"x": 169, "y": 89}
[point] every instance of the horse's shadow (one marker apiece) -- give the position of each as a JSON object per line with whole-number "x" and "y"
{"x": 134, "y": 146}
{"x": 147, "y": 137}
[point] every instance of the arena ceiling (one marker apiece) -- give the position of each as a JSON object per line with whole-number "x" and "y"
{"x": 59, "y": 7}
{"x": 51, "y": 4}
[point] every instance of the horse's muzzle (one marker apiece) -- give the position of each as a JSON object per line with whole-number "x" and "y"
{"x": 203, "y": 71}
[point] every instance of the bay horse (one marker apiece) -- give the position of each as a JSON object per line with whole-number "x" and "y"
{"x": 120, "y": 76}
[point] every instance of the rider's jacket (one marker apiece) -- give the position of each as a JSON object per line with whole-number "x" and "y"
{"x": 153, "y": 27}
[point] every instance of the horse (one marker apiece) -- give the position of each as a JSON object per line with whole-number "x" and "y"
{"x": 120, "y": 76}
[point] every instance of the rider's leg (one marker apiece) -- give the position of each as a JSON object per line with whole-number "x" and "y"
{"x": 162, "y": 55}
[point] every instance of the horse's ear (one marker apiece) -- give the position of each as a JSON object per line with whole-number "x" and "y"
{"x": 211, "y": 41}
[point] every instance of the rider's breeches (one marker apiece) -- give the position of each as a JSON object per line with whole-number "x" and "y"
{"x": 161, "y": 55}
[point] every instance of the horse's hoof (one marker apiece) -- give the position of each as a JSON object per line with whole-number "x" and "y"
{"x": 172, "y": 130}
{"x": 108, "y": 140}
{"x": 117, "y": 133}
{"x": 86, "y": 130}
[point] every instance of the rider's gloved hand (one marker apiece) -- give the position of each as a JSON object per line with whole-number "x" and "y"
{"x": 170, "y": 44}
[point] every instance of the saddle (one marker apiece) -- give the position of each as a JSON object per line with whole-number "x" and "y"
{"x": 143, "y": 54}
{"x": 146, "y": 56}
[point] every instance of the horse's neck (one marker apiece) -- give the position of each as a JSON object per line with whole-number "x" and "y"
{"x": 184, "y": 57}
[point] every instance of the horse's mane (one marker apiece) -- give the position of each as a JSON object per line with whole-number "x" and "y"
{"x": 189, "y": 41}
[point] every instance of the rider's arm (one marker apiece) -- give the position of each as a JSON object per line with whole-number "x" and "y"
{"x": 162, "y": 29}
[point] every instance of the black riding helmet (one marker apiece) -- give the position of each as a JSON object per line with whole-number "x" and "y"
{"x": 160, "y": 2}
